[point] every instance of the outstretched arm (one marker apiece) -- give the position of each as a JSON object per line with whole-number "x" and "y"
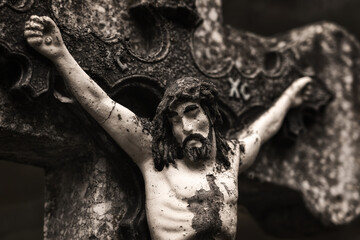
{"x": 269, "y": 123}
{"x": 44, "y": 36}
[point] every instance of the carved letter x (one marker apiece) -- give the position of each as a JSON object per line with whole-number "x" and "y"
{"x": 234, "y": 92}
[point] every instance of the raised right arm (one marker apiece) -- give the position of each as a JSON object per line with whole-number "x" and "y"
{"x": 123, "y": 125}
{"x": 269, "y": 123}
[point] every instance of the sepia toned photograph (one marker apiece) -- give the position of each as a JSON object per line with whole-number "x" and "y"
{"x": 179, "y": 119}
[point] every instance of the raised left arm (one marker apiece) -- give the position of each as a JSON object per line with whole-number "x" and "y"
{"x": 269, "y": 123}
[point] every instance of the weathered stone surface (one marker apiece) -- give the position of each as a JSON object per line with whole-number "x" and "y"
{"x": 135, "y": 50}
{"x": 324, "y": 162}
{"x": 42, "y": 133}
{"x": 89, "y": 200}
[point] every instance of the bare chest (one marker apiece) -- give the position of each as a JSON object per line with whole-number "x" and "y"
{"x": 212, "y": 185}
{"x": 201, "y": 204}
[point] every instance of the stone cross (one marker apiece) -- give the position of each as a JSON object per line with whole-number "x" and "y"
{"x": 133, "y": 49}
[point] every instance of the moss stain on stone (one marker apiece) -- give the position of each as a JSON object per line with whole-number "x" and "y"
{"x": 206, "y": 206}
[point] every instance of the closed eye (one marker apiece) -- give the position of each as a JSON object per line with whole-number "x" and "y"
{"x": 190, "y": 108}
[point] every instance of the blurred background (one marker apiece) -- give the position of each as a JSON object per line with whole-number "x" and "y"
{"x": 22, "y": 187}
{"x": 271, "y": 17}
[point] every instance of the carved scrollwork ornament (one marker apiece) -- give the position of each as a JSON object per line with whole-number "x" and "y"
{"x": 147, "y": 47}
{"x": 18, "y": 5}
{"x": 23, "y": 63}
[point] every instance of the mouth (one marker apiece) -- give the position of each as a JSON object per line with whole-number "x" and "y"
{"x": 194, "y": 140}
{"x": 193, "y": 143}
{"x": 196, "y": 148}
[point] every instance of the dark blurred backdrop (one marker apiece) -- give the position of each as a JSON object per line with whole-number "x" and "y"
{"x": 269, "y": 17}
{"x": 22, "y": 187}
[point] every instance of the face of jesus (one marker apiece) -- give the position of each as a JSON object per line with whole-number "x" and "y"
{"x": 191, "y": 129}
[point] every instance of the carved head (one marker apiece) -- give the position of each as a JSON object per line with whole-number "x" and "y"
{"x": 191, "y": 130}
{"x": 185, "y": 122}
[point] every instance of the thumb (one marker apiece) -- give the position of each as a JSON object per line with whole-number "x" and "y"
{"x": 48, "y": 22}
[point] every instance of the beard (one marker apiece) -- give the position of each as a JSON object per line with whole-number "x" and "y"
{"x": 197, "y": 154}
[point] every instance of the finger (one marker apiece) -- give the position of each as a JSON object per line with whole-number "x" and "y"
{"x": 301, "y": 83}
{"x": 305, "y": 80}
{"x": 33, "y": 33}
{"x": 35, "y": 41}
{"x": 35, "y": 25}
{"x": 48, "y": 20}
{"x": 34, "y": 29}
{"x": 27, "y": 24}
{"x": 36, "y": 18}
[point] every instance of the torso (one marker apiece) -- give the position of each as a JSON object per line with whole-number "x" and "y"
{"x": 184, "y": 203}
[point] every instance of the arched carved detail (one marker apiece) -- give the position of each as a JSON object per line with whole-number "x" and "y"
{"x": 18, "y": 5}
{"x": 140, "y": 93}
{"x": 137, "y": 26}
{"x": 23, "y": 66}
{"x": 149, "y": 40}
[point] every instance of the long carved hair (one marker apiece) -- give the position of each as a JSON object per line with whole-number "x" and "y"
{"x": 165, "y": 148}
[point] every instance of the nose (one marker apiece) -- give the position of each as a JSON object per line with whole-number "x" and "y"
{"x": 187, "y": 126}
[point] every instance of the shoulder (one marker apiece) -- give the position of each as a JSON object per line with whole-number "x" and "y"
{"x": 236, "y": 152}
{"x": 249, "y": 147}
{"x": 235, "y": 145}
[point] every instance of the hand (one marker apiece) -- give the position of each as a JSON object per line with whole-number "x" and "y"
{"x": 44, "y": 36}
{"x": 299, "y": 91}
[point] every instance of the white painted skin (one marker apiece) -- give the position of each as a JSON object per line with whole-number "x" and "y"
{"x": 189, "y": 118}
{"x": 167, "y": 191}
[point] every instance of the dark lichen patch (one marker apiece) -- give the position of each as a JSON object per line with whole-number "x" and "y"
{"x": 146, "y": 126}
{"x": 249, "y": 132}
{"x": 226, "y": 188}
{"x": 135, "y": 119}
{"x": 144, "y": 123}
{"x": 242, "y": 153}
{"x": 206, "y": 206}
{"x": 242, "y": 148}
